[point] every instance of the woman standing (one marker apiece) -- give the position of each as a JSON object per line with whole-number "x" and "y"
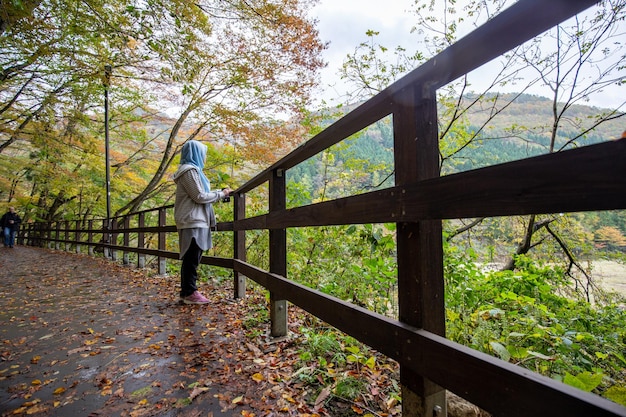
{"x": 194, "y": 216}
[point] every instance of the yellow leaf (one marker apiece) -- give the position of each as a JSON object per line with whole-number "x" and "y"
{"x": 59, "y": 391}
{"x": 289, "y": 398}
{"x": 258, "y": 377}
{"x": 39, "y": 408}
{"x": 238, "y": 400}
{"x": 36, "y": 382}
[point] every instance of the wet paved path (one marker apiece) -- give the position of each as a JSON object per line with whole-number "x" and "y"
{"x": 83, "y": 336}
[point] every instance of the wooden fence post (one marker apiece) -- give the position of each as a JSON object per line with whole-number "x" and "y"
{"x": 77, "y": 235}
{"x": 420, "y": 249}
{"x": 114, "y": 234}
{"x": 141, "y": 240}
{"x": 162, "y": 241}
{"x": 23, "y": 237}
{"x": 105, "y": 238}
{"x": 278, "y": 253}
{"x": 49, "y": 244}
{"x": 126, "y": 240}
{"x": 239, "y": 242}
{"x": 66, "y": 235}
{"x": 90, "y": 247}
{"x": 57, "y": 242}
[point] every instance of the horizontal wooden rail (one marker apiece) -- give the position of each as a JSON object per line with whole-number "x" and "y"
{"x": 468, "y": 373}
{"x": 583, "y": 179}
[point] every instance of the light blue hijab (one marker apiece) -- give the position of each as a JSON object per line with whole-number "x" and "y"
{"x": 194, "y": 153}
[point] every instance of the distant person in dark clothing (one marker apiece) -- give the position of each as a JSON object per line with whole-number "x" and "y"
{"x": 10, "y": 223}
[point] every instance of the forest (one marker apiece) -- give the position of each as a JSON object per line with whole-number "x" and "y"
{"x": 241, "y": 77}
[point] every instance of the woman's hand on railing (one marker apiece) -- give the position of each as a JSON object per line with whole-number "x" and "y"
{"x": 227, "y": 192}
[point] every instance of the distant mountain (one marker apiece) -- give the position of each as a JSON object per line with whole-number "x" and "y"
{"x": 530, "y": 111}
{"x": 523, "y": 129}
{"x": 520, "y": 130}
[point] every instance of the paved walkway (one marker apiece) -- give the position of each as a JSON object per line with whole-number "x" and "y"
{"x": 82, "y": 336}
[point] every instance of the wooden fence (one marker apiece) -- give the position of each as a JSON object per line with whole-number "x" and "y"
{"x": 589, "y": 178}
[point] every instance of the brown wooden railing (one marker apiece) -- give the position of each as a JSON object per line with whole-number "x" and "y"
{"x": 589, "y": 178}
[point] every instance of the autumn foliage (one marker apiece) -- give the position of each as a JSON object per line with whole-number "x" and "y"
{"x": 225, "y": 73}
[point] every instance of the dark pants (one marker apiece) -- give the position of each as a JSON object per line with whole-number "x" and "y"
{"x": 189, "y": 269}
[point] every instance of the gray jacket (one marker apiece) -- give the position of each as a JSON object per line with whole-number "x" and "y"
{"x": 193, "y": 207}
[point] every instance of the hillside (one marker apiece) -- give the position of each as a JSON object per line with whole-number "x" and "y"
{"x": 523, "y": 129}
{"x": 520, "y": 130}
{"x": 532, "y": 110}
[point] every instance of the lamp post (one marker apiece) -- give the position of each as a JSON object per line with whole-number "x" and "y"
{"x": 106, "y": 82}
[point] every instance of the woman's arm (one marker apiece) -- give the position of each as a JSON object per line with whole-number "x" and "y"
{"x": 190, "y": 181}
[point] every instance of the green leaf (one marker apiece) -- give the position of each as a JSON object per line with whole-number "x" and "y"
{"x": 616, "y": 394}
{"x": 517, "y": 352}
{"x": 585, "y": 381}
{"x": 601, "y": 355}
{"x": 620, "y": 357}
{"x": 540, "y": 355}
{"x": 353, "y": 349}
{"x": 500, "y": 350}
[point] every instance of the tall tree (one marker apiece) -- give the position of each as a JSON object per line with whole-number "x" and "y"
{"x": 573, "y": 61}
{"x": 222, "y": 70}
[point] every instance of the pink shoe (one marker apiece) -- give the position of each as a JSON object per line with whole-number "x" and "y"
{"x": 195, "y": 298}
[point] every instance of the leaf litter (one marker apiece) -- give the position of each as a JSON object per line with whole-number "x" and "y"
{"x": 85, "y": 336}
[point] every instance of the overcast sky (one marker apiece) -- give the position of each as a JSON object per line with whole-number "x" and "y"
{"x": 343, "y": 24}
